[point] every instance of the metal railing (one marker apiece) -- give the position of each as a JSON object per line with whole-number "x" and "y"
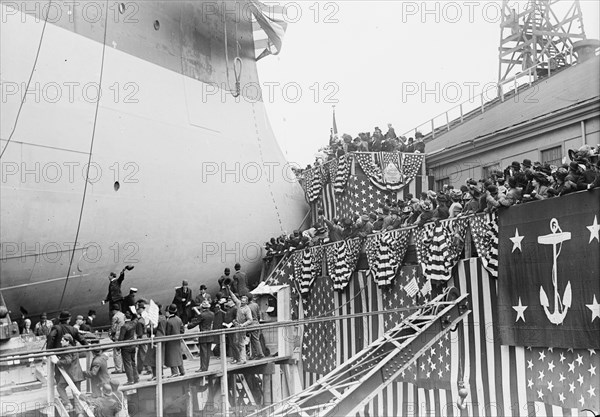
{"x": 488, "y": 98}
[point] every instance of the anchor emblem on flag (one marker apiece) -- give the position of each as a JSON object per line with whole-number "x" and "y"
{"x": 561, "y": 306}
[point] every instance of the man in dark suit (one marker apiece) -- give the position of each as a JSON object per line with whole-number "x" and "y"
{"x": 240, "y": 281}
{"x": 183, "y": 301}
{"x": 128, "y": 353}
{"x": 173, "y": 354}
{"x": 205, "y": 321}
{"x": 115, "y": 296}
{"x": 53, "y": 341}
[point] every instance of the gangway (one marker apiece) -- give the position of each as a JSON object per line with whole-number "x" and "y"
{"x": 349, "y": 387}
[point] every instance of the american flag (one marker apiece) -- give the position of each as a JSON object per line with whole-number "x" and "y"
{"x": 319, "y": 341}
{"x": 327, "y": 203}
{"x": 268, "y": 29}
{"x": 284, "y": 275}
{"x": 494, "y": 374}
{"x": 484, "y": 229}
{"x": 563, "y": 377}
{"x": 361, "y": 197}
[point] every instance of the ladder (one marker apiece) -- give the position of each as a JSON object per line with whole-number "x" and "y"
{"x": 348, "y": 388}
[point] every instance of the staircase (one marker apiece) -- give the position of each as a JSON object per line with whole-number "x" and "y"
{"x": 351, "y": 386}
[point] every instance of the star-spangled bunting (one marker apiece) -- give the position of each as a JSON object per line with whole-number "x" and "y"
{"x": 341, "y": 261}
{"x": 374, "y": 172}
{"x": 319, "y": 343}
{"x": 484, "y": 229}
{"x": 411, "y": 165}
{"x": 563, "y": 377}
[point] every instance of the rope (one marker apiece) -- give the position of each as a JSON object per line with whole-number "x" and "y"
{"x": 37, "y": 54}
{"x": 237, "y": 62}
{"x": 87, "y": 173}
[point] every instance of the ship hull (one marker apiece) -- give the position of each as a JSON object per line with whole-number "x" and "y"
{"x": 183, "y": 180}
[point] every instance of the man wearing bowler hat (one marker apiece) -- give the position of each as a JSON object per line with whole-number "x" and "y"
{"x": 173, "y": 355}
{"x": 183, "y": 301}
{"x": 205, "y": 321}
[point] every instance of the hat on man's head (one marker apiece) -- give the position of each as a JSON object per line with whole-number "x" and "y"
{"x": 515, "y": 164}
{"x": 44, "y": 316}
{"x": 133, "y": 289}
{"x": 394, "y": 210}
{"x": 527, "y": 163}
{"x": 373, "y": 216}
{"x": 64, "y": 315}
{"x": 227, "y": 270}
{"x": 407, "y": 209}
{"x": 172, "y": 309}
{"x": 91, "y": 312}
{"x": 184, "y": 283}
{"x": 364, "y": 217}
{"x": 68, "y": 338}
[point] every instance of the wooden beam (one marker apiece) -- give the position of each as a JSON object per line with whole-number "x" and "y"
{"x": 224, "y": 386}
{"x": 159, "y": 380}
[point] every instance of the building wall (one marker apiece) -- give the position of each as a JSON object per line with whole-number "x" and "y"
{"x": 568, "y": 137}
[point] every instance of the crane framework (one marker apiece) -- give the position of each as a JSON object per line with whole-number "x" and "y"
{"x": 538, "y": 33}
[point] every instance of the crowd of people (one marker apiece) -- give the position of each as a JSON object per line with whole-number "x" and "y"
{"x": 519, "y": 183}
{"x": 231, "y": 307}
{"x": 368, "y": 142}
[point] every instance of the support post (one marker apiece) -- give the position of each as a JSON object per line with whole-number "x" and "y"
{"x": 190, "y": 402}
{"x": 88, "y": 363}
{"x": 224, "y": 387}
{"x": 50, "y": 387}
{"x": 159, "y": 379}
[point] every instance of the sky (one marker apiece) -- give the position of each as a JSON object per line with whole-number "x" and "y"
{"x": 380, "y": 62}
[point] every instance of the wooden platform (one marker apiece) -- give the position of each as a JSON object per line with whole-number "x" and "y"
{"x": 22, "y": 402}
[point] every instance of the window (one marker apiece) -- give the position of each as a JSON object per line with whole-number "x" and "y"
{"x": 490, "y": 169}
{"x": 552, "y": 156}
{"x": 439, "y": 184}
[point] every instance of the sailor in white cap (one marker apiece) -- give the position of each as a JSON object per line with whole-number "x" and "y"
{"x": 129, "y": 300}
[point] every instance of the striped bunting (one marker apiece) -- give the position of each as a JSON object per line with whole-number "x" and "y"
{"x": 310, "y": 265}
{"x": 341, "y": 261}
{"x": 342, "y": 173}
{"x": 313, "y": 181}
{"x": 484, "y": 229}
{"x": 438, "y": 263}
{"x": 268, "y": 29}
{"x": 385, "y": 252}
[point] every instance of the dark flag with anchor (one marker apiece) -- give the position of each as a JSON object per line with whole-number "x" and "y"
{"x": 549, "y": 269}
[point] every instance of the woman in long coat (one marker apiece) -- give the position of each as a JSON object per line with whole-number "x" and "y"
{"x": 173, "y": 354}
